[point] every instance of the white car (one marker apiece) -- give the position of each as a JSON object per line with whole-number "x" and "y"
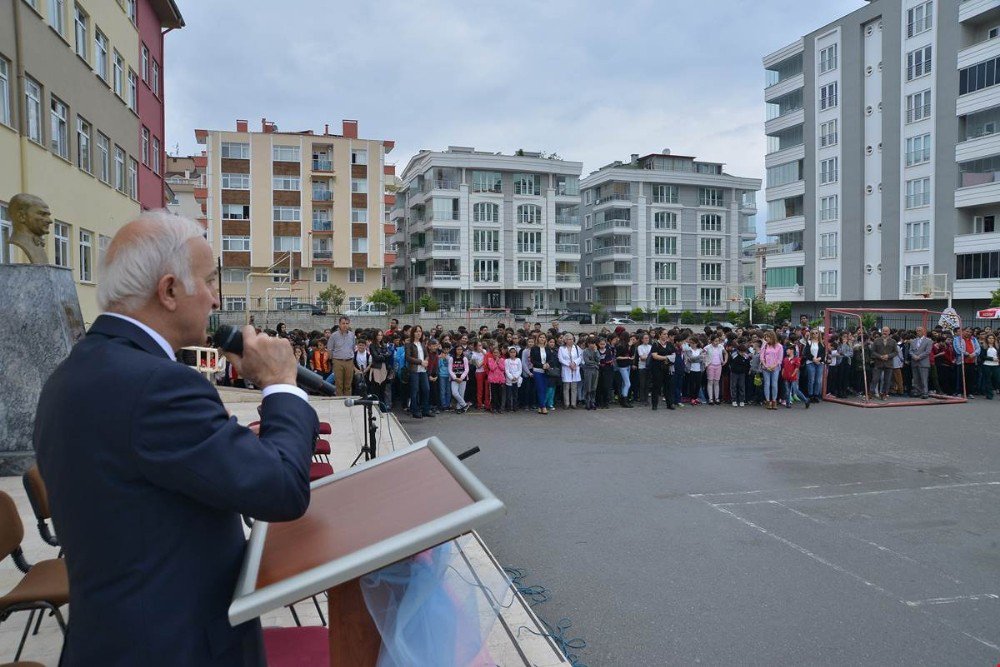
{"x": 620, "y": 320}
{"x": 370, "y": 308}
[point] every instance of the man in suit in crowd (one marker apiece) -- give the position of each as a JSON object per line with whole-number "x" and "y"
{"x": 147, "y": 475}
{"x": 920, "y": 362}
{"x": 884, "y": 350}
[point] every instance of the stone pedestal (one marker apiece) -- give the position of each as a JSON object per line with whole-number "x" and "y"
{"x": 40, "y": 321}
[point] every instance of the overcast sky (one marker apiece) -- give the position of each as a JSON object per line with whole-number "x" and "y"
{"x": 593, "y": 81}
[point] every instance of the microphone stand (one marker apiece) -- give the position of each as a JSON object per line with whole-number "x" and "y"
{"x": 368, "y": 449}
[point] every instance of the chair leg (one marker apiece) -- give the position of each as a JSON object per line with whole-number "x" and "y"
{"x": 295, "y": 616}
{"x": 59, "y": 619}
{"x": 319, "y": 610}
{"x": 24, "y": 635}
{"x": 38, "y": 623}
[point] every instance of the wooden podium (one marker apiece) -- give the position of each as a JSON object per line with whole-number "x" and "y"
{"x": 358, "y": 521}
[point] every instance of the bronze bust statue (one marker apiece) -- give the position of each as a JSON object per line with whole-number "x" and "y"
{"x": 32, "y": 218}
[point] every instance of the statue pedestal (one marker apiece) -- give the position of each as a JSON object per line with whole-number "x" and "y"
{"x": 41, "y": 321}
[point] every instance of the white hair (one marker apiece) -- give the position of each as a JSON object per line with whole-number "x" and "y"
{"x": 133, "y": 265}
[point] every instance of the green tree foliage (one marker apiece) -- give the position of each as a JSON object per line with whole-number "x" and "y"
{"x": 334, "y": 296}
{"x": 386, "y": 296}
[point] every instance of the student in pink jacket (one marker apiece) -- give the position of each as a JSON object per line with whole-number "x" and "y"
{"x": 770, "y": 361}
{"x": 496, "y": 376}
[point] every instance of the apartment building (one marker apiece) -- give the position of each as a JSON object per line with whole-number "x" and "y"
{"x": 883, "y": 155}
{"x": 182, "y": 176}
{"x": 667, "y": 231}
{"x": 70, "y": 109}
{"x": 476, "y": 228}
{"x": 291, "y": 213}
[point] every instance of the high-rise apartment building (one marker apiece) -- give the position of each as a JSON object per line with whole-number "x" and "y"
{"x": 291, "y": 213}
{"x": 883, "y": 155}
{"x": 182, "y": 176}
{"x": 484, "y": 229}
{"x": 72, "y": 102}
{"x": 667, "y": 231}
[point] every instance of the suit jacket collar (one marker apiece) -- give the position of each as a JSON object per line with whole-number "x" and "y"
{"x": 107, "y": 325}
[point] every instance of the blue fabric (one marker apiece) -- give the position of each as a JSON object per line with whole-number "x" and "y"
{"x": 792, "y": 391}
{"x": 814, "y": 379}
{"x": 771, "y": 383}
{"x": 147, "y": 477}
{"x": 541, "y": 387}
{"x": 420, "y": 395}
{"x": 626, "y": 381}
{"x": 444, "y": 389}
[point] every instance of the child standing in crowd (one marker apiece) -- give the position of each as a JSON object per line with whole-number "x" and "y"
{"x": 554, "y": 373}
{"x": 605, "y": 375}
{"x": 589, "y": 370}
{"x": 482, "y": 385}
{"x": 444, "y": 377}
{"x": 512, "y": 375}
{"x": 694, "y": 359}
{"x": 321, "y": 358}
{"x": 623, "y": 365}
{"x": 458, "y": 372}
{"x": 528, "y": 395}
{"x": 495, "y": 376}
{"x": 433, "y": 353}
{"x": 642, "y": 366}
{"x": 362, "y": 365}
{"x": 790, "y": 374}
{"x": 739, "y": 367}
{"x": 715, "y": 357}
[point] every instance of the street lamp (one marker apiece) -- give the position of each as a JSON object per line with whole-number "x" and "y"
{"x": 413, "y": 283}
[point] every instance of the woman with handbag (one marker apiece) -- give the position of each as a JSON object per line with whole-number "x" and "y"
{"x": 540, "y": 364}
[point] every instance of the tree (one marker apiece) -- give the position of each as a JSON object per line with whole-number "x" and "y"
{"x": 386, "y": 296}
{"x": 662, "y": 315}
{"x": 707, "y": 317}
{"x": 782, "y": 312}
{"x": 869, "y": 321}
{"x": 687, "y": 317}
{"x": 597, "y": 310}
{"x": 637, "y": 313}
{"x": 428, "y": 303}
{"x": 995, "y": 298}
{"x": 334, "y": 295}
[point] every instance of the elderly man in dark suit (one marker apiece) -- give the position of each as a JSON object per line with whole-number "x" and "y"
{"x": 147, "y": 474}
{"x": 920, "y": 362}
{"x": 884, "y": 350}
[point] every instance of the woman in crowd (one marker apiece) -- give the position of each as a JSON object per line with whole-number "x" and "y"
{"x": 570, "y": 359}
{"x": 771, "y": 356}
{"x": 381, "y": 359}
{"x": 458, "y": 371}
{"x": 662, "y": 355}
{"x": 541, "y": 360}
{"x": 494, "y": 364}
{"x": 554, "y": 373}
{"x": 642, "y": 366}
{"x": 624, "y": 352}
{"x": 605, "y": 376}
{"x": 416, "y": 360}
{"x": 990, "y": 370}
{"x": 815, "y": 360}
{"x": 715, "y": 357}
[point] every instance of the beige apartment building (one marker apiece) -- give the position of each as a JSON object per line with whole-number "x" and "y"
{"x": 291, "y": 213}
{"x": 69, "y": 123}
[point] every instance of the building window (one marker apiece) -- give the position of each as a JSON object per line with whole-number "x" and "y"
{"x": 133, "y": 91}
{"x": 145, "y": 147}
{"x": 235, "y": 149}
{"x": 918, "y": 192}
{"x": 60, "y": 233}
{"x": 665, "y": 270}
{"x": 664, "y": 245}
{"x": 287, "y": 244}
{"x": 486, "y": 240}
{"x": 156, "y": 155}
{"x": 286, "y": 183}
{"x": 829, "y": 170}
{"x": 486, "y": 181}
{"x": 6, "y": 229}
{"x": 918, "y": 150}
{"x": 784, "y": 277}
{"x": 86, "y": 256}
{"x": 144, "y": 64}
{"x": 918, "y": 235}
{"x": 359, "y": 215}
{"x": 588, "y": 294}
{"x": 711, "y": 272}
{"x": 235, "y": 211}
{"x": 359, "y": 186}
{"x": 529, "y": 214}
{"x": 918, "y": 106}
{"x": 156, "y": 78}
{"x": 234, "y": 303}
{"x": 529, "y": 242}
{"x": 915, "y": 278}
{"x": 828, "y": 96}
{"x": 664, "y": 220}
{"x": 485, "y": 212}
{"x": 920, "y": 18}
{"x": 321, "y": 274}
{"x": 918, "y": 63}
{"x": 130, "y": 11}
{"x": 710, "y": 197}
{"x": 287, "y": 213}
{"x": 57, "y": 15}
{"x": 4, "y": 91}
{"x": 133, "y": 179}
{"x": 119, "y": 169}
{"x": 526, "y": 184}
{"x": 978, "y": 266}
{"x": 118, "y": 74}
{"x": 59, "y": 139}
{"x": 828, "y": 245}
{"x": 710, "y": 247}
{"x": 828, "y": 59}
{"x": 665, "y": 296}
{"x": 359, "y": 245}
{"x": 235, "y": 275}
{"x": 83, "y": 144}
{"x": 828, "y": 283}
{"x": 588, "y": 270}
{"x": 529, "y": 271}
{"x": 711, "y": 223}
{"x": 81, "y": 24}
{"x": 486, "y": 271}
{"x": 710, "y": 297}
{"x": 665, "y": 194}
{"x": 103, "y": 158}
{"x": 285, "y": 154}
{"x": 101, "y": 54}
{"x": 235, "y": 181}
{"x": 984, "y": 224}
{"x": 235, "y": 244}
{"x": 33, "y": 109}
{"x": 828, "y": 134}
{"x": 829, "y": 208}
{"x": 359, "y": 156}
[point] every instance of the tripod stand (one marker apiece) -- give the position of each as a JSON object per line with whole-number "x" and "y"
{"x": 368, "y": 449}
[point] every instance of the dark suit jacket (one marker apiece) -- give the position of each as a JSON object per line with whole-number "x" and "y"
{"x": 147, "y": 477}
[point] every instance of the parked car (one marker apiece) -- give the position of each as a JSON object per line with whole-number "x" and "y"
{"x": 311, "y": 308}
{"x": 579, "y": 318}
{"x": 620, "y": 320}
{"x": 726, "y": 326}
{"x": 370, "y": 308}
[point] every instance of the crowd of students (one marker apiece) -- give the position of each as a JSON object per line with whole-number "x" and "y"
{"x": 508, "y": 369}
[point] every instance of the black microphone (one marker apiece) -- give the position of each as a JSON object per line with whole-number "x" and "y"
{"x": 351, "y": 402}
{"x": 230, "y": 339}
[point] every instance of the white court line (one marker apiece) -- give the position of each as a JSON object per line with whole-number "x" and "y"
{"x": 860, "y": 493}
{"x": 957, "y": 598}
{"x": 852, "y": 575}
{"x": 833, "y": 486}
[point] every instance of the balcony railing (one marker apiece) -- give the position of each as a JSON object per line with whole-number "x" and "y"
{"x": 322, "y": 225}
{"x": 614, "y": 196}
{"x": 322, "y": 254}
{"x": 970, "y": 179}
{"x": 322, "y": 165}
{"x": 322, "y": 195}
{"x": 615, "y": 223}
{"x": 613, "y": 250}
{"x": 440, "y": 184}
{"x": 564, "y": 219}
{"x": 601, "y": 277}
{"x": 785, "y": 248}
{"x": 447, "y": 246}
{"x": 567, "y": 277}
{"x": 748, "y": 229}
{"x": 568, "y": 247}
{"x": 446, "y": 275}
{"x": 529, "y": 248}
{"x": 442, "y": 216}
{"x": 922, "y": 242}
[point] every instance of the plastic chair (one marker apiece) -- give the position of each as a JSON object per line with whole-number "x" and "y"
{"x": 319, "y": 470}
{"x": 325, "y": 428}
{"x": 292, "y": 647}
{"x": 44, "y": 586}
{"x": 321, "y": 452}
{"x": 34, "y": 486}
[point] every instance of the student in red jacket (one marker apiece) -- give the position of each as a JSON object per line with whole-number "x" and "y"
{"x": 790, "y": 366}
